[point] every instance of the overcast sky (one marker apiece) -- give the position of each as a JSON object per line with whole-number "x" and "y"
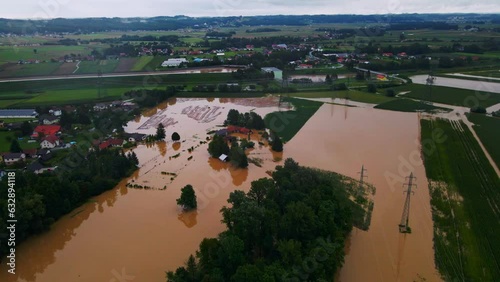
{"x": 149, "y": 8}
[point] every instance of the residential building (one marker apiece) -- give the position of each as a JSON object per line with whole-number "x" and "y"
{"x": 278, "y": 74}
{"x": 50, "y": 142}
{"x": 175, "y": 62}
{"x": 11, "y": 158}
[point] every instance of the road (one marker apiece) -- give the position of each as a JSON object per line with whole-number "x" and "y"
{"x": 127, "y": 74}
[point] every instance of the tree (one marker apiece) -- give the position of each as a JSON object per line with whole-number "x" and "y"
{"x": 218, "y": 146}
{"x": 160, "y": 132}
{"x": 176, "y": 136}
{"x": 15, "y": 147}
{"x": 238, "y": 156}
{"x": 276, "y": 143}
{"x": 372, "y": 88}
{"x": 390, "y": 92}
{"x": 188, "y": 198}
{"x": 26, "y": 128}
{"x": 328, "y": 79}
{"x": 233, "y": 117}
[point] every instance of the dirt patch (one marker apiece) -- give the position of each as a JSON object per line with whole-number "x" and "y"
{"x": 66, "y": 68}
{"x": 126, "y": 64}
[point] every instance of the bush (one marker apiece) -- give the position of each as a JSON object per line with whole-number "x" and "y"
{"x": 478, "y": 110}
{"x": 390, "y": 92}
{"x": 372, "y": 88}
{"x": 176, "y": 136}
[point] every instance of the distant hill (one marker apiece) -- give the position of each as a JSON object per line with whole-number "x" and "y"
{"x": 86, "y": 25}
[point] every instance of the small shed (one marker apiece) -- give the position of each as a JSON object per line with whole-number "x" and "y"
{"x": 223, "y": 157}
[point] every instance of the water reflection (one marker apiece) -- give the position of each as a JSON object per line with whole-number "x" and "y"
{"x": 162, "y": 147}
{"x": 38, "y": 252}
{"x": 188, "y": 218}
{"x": 176, "y": 146}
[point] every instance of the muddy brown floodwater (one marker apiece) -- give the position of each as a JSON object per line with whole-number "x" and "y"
{"x": 342, "y": 139}
{"x": 141, "y": 233}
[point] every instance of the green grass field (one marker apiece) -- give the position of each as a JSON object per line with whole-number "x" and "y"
{"x": 488, "y": 130}
{"x": 465, "y": 192}
{"x": 20, "y": 94}
{"x": 6, "y": 138}
{"x": 141, "y": 63}
{"x": 450, "y": 96}
{"x": 287, "y": 124}
{"x": 44, "y": 53}
{"x": 105, "y": 66}
{"x": 408, "y": 105}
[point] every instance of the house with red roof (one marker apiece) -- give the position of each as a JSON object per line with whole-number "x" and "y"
{"x": 46, "y": 130}
{"x": 237, "y": 129}
{"x": 112, "y": 143}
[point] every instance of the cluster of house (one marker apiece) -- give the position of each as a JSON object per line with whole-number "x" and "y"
{"x": 145, "y": 51}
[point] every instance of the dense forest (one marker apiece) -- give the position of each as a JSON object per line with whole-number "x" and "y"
{"x": 42, "y": 199}
{"x": 178, "y": 22}
{"x": 289, "y": 228}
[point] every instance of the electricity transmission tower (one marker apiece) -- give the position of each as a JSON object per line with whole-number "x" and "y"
{"x": 362, "y": 176}
{"x": 403, "y": 226}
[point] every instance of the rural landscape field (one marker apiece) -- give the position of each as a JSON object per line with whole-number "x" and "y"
{"x": 248, "y": 144}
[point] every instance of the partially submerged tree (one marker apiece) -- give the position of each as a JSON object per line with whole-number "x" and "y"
{"x": 276, "y": 143}
{"x": 218, "y": 146}
{"x": 160, "y": 132}
{"x": 176, "y": 136}
{"x": 188, "y": 198}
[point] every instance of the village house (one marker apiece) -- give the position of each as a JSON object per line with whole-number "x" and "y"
{"x": 48, "y": 119}
{"x": 135, "y": 137}
{"x": 37, "y": 168}
{"x": 100, "y": 106}
{"x": 50, "y": 142}
{"x": 11, "y": 158}
{"x": 112, "y": 143}
{"x": 46, "y": 130}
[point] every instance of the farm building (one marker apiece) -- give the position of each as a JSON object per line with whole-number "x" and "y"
{"x": 278, "y": 74}
{"x": 19, "y": 113}
{"x": 174, "y": 62}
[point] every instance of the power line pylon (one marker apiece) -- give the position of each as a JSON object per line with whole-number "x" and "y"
{"x": 403, "y": 226}
{"x": 362, "y": 175}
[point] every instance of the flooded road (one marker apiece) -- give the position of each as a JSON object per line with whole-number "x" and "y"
{"x": 460, "y": 83}
{"x": 142, "y": 233}
{"x": 343, "y": 139}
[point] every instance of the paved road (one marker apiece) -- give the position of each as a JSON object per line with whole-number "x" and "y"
{"x": 128, "y": 74}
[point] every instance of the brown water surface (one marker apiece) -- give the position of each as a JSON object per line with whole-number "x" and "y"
{"x": 142, "y": 232}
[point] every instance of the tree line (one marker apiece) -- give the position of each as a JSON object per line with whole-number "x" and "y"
{"x": 289, "y": 228}
{"x": 42, "y": 199}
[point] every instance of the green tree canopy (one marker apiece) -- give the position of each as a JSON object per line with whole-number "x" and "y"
{"x": 188, "y": 198}
{"x": 218, "y": 146}
{"x": 160, "y": 132}
{"x": 15, "y": 147}
{"x": 176, "y": 136}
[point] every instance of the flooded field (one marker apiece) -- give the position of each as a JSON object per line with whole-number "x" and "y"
{"x": 142, "y": 233}
{"x": 460, "y": 83}
{"x": 343, "y": 139}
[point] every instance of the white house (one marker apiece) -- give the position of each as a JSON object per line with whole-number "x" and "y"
{"x": 11, "y": 158}
{"x": 174, "y": 62}
{"x": 49, "y": 142}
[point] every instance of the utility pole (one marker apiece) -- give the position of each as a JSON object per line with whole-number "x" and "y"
{"x": 403, "y": 226}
